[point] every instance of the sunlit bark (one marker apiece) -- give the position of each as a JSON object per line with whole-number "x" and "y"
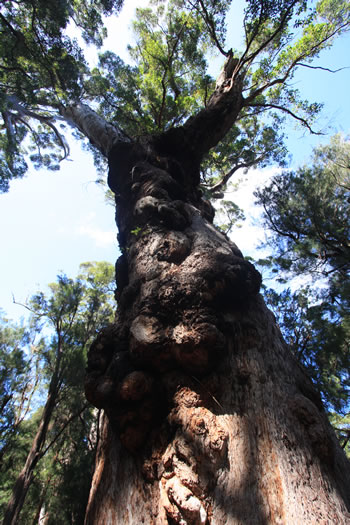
{"x": 101, "y": 133}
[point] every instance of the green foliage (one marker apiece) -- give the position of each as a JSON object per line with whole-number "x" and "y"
{"x": 249, "y": 144}
{"x": 41, "y": 67}
{"x": 286, "y": 33}
{"x": 14, "y": 458}
{"x": 15, "y": 384}
{"x": 168, "y": 81}
{"x": 231, "y": 213}
{"x": 72, "y": 472}
{"x": 214, "y": 13}
{"x": 308, "y": 214}
{"x": 61, "y": 485}
{"x": 280, "y": 36}
{"x": 318, "y": 333}
{"x": 62, "y": 325}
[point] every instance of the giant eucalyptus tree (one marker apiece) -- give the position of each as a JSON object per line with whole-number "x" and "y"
{"x": 209, "y": 418}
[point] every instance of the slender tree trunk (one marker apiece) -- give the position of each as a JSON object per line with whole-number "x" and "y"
{"x": 25, "y": 477}
{"x": 41, "y": 516}
{"x": 209, "y": 418}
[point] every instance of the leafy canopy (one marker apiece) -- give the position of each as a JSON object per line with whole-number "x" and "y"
{"x": 168, "y": 82}
{"x": 43, "y": 69}
{"x": 40, "y": 67}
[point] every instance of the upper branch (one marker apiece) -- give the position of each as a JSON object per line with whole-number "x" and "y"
{"x": 209, "y": 22}
{"x": 241, "y": 165}
{"x": 309, "y": 53}
{"x": 211, "y": 124}
{"x": 282, "y": 23}
{"x": 322, "y": 68}
{"x": 19, "y": 112}
{"x": 289, "y": 112}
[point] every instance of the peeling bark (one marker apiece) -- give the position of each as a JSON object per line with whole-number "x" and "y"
{"x": 209, "y": 418}
{"x": 101, "y": 133}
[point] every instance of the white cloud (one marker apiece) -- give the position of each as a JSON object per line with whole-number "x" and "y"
{"x": 101, "y": 238}
{"x": 251, "y": 233}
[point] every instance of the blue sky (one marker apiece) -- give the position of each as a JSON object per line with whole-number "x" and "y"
{"x": 53, "y": 221}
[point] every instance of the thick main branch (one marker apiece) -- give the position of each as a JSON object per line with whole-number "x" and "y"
{"x": 100, "y": 133}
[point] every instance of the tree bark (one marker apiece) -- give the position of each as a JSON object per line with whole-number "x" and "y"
{"x": 209, "y": 418}
{"x": 100, "y": 133}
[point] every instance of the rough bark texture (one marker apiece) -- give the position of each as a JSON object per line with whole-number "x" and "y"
{"x": 209, "y": 419}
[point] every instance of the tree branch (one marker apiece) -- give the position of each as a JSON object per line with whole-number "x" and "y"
{"x": 210, "y": 25}
{"x": 63, "y": 428}
{"x": 293, "y": 64}
{"x": 46, "y": 120}
{"x": 101, "y": 133}
{"x": 219, "y": 185}
{"x": 290, "y": 113}
{"x": 279, "y": 28}
{"x": 322, "y": 68}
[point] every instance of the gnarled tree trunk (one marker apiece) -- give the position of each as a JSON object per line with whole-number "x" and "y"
{"x": 209, "y": 418}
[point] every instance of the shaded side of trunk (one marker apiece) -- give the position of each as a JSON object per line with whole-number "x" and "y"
{"x": 209, "y": 418}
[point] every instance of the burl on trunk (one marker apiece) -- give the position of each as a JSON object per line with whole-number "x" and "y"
{"x": 208, "y": 417}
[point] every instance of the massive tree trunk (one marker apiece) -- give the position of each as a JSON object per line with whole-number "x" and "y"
{"x": 209, "y": 418}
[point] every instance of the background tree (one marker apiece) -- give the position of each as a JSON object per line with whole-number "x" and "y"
{"x": 18, "y": 381}
{"x": 40, "y": 68}
{"x": 193, "y": 373}
{"x": 72, "y": 314}
{"x": 307, "y": 213}
{"x": 317, "y": 332}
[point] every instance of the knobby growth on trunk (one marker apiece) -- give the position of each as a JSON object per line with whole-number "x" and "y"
{"x": 209, "y": 419}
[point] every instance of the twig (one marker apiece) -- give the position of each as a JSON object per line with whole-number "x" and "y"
{"x": 211, "y": 395}
{"x": 322, "y": 68}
